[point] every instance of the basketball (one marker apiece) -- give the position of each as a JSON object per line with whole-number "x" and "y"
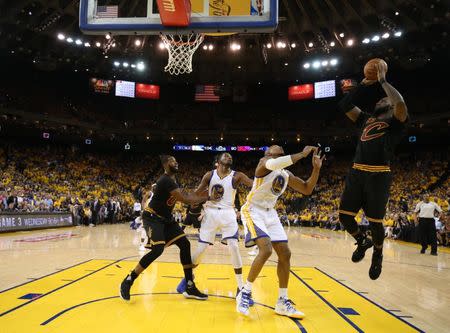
{"x": 370, "y": 70}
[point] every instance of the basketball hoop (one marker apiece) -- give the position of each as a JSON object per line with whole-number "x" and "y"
{"x": 181, "y": 49}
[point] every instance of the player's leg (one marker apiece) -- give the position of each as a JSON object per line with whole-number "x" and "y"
{"x": 351, "y": 203}
{"x": 422, "y": 230}
{"x": 376, "y": 194}
{"x": 206, "y": 238}
{"x": 155, "y": 232}
{"x": 284, "y": 306}
{"x": 230, "y": 235}
{"x": 175, "y": 235}
{"x": 255, "y": 233}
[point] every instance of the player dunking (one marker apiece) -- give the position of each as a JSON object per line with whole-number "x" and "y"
{"x": 368, "y": 182}
{"x": 163, "y": 231}
{"x": 219, "y": 213}
{"x": 263, "y": 227}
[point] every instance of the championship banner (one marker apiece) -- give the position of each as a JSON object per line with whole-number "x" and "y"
{"x": 30, "y": 221}
{"x": 149, "y": 91}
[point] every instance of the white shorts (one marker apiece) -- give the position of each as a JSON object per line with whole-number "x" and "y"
{"x": 261, "y": 222}
{"x": 218, "y": 220}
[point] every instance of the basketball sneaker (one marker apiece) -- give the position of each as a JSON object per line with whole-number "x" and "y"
{"x": 375, "y": 267}
{"x": 363, "y": 245}
{"x": 243, "y": 302}
{"x": 181, "y": 288}
{"x": 125, "y": 287}
{"x": 285, "y": 307}
{"x": 192, "y": 292}
{"x": 251, "y": 301}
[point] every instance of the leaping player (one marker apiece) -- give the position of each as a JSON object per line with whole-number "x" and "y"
{"x": 263, "y": 227}
{"x": 219, "y": 213}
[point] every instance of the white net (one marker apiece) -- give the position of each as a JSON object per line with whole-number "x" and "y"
{"x": 181, "y": 48}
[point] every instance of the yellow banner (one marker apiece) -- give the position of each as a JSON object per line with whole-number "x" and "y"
{"x": 223, "y": 7}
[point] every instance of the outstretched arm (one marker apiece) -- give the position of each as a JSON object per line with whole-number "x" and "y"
{"x": 242, "y": 178}
{"x": 203, "y": 186}
{"x": 396, "y": 99}
{"x": 306, "y": 187}
{"x": 270, "y": 164}
{"x": 193, "y": 198}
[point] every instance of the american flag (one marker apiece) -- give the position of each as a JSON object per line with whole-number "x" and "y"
{"x": 207, "y": 93}
{"x": 107, "y": 11}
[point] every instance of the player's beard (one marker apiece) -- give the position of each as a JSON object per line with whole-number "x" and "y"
{"x": 173, "y": 169}
{"x": 226, "y": 165}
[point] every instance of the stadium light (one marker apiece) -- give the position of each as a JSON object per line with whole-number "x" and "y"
{"x": 116, "y": 63}
{"x": 286, "y": 64}
{"x": 366, "y": 41}
{"x": 333, "y": 62}
{"x": 293, "y": 45}
{"x": 316, "y": 64}
{"x": 385, "y": 35}
{"x": 210, "y": 47}
{"x": 87, "y": 44}
{"x": 235, "y": 46}
{"x": 332, "y": 44}
{"x": 269, "y": 46}
{"x": 108, "y": 36}
{"x": 133, "y": 66}
{"x": 113, "y": 45}
{"x": 376, "y": 38}
{"x": 69, "y": 40}
{"x": 125, "y": 64}
{"x": 350, "y": 42}
{"x": 78, "y": 42}
{"x": 306, "y": 65}
{"x": 310, "y": 44}
{"x": 61, "y": 36}
{"x": 397, "y": 13}
{"x": 98, "y": 44}
{"x": 162, "y": 46}
{"x": 342, "y": 35}
{"x": 325, "y": 63}
{"x": 398, "y": 34}
{"x": 140, "y": 66}
{"x": 137, "y": 42}
{"x": 205, "y": 47}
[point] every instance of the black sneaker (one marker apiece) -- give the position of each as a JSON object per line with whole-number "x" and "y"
{"x": 375, "y": 267}
{"x": 422, "y": 251}
{"x": 363, "y": 246}
{"x": 433, "y": 253}
{"x": 192, "y": 292}
{"x": 125, "y": 287}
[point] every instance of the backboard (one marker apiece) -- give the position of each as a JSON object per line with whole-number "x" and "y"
{"x": 125, "y": 17}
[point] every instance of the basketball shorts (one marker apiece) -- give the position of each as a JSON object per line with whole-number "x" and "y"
{"x": 161, "y": 231}
{"x": 261, "y": 222}
{"x": 366, "y": 190}
{"x": 222, "y": 221}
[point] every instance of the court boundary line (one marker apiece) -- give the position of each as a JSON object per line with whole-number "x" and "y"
{"x": 352, "y": 324}
{"x": 59, "y": 314}
{"x": 44, "y": 276}
{"x": 60, "y": 287}
{"x": 373, "y": 302}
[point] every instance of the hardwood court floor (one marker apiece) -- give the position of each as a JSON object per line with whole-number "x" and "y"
{"x": 66, "y": 280}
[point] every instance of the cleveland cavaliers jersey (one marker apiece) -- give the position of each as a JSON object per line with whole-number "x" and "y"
{"x": 221, "y": 191}
{"x": 266, "y": 190}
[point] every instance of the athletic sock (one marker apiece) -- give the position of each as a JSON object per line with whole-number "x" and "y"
{"x": 248, "y": 286}
{"x": 240, "y": 281}
{"x": 283, "y": 293}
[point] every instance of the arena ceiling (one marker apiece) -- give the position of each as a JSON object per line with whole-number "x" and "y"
{"x": 319, "y": 29}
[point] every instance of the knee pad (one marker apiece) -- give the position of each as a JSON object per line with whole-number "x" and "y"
{"x": 377, "y": 231}
{"x": 233, "y": 247}
{"x": 349, "y": 223}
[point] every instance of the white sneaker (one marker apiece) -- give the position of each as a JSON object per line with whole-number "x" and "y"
{"x": 285, "y": 307}
{"x": 142, "y": 248}
{"x": 243, "y": 302}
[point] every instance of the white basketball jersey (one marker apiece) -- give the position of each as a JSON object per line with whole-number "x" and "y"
{"x": 266, "y": 190}
{"x": 221, "y": 191}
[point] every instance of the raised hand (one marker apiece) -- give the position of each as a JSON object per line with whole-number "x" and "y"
{"x": 317, "y": 160}
{"x": 308, "y": 149}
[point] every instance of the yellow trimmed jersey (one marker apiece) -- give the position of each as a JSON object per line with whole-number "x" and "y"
{"x": 266, "y": 190}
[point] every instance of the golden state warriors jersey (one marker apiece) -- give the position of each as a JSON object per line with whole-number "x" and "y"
{"x": 266, "y": 190}
{"x": 221, "y": 191}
